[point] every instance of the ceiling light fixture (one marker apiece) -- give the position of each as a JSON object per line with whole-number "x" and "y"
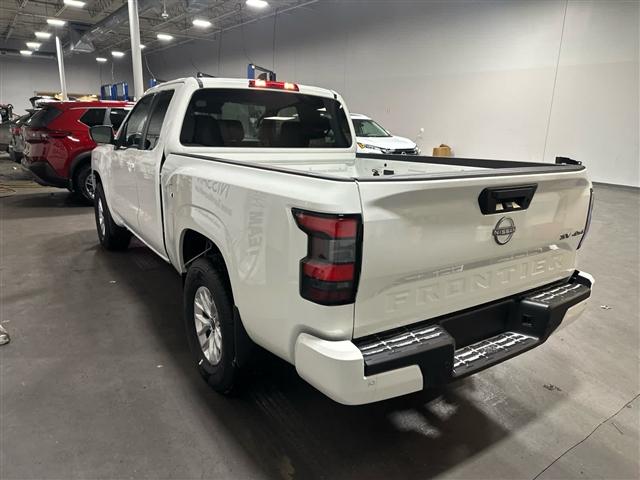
{"x": 74, "y": 3}
{"x": 33, "y": 45}
{"x": 26, "y": 53}
{"x": 117, "y": 54}
{"x": 43, "y": 35}
{"x": 101, "y": 59}
{"x": 198, "y": 22}
{"x": 56, "y": 22}
{"x": 257, "y": 3}
{"x": 142, "y": 46}
{"x": 164, "y": 37}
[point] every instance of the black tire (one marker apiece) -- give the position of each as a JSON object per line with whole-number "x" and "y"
{"x": 221, "y": 375}
{"x": 82, "y": 186}
{"x": 112, "y": 237}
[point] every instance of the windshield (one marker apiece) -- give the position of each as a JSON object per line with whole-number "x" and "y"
{"x": 257, "y": 118}
{"x": 369, "y": 128}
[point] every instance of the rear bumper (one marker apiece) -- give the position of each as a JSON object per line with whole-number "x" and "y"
{"x": 44, "y": 174}
{"x": 432, "y": 353}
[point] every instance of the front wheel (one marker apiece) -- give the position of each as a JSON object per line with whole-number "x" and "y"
{"x": 209, "y": 322}
{"x": 112, "y": 236}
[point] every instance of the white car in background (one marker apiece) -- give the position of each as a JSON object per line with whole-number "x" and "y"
{"x": 372, "y": 138}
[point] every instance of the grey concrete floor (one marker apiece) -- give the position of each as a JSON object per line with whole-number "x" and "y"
{"x": 98, "y": 383}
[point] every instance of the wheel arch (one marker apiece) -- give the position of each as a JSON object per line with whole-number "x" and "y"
{"x": 195, "y": 244}
{"x": 77, "y": 162}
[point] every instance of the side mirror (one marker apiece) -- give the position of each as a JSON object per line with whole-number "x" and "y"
{"x": 102, "y": 134}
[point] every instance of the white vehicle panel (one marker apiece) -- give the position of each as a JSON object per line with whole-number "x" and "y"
{"x": 442, "y": 256}
{"x": 246, "y": 212}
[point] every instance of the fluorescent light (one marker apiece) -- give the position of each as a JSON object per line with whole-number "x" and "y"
{"x": 74, "y": 3}
{"x": 257, "y": 3}
{"x": 33, "y": 45}
{"x": 198, "y": 22}
{"x": 43, "y": 35}
{"x": 26, "y": 52}
{"x": 101, "y": 59}
{"x": 164, "y": 36}
{"x": 56, "y": 22}
{"x": 117, "y": 54}
{"x": 142, "y": 46}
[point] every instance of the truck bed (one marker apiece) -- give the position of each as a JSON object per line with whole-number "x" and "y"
{"x": 377, "y": 167}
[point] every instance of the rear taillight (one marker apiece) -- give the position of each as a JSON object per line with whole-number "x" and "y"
{"x": 588, "y": 222}
{"x": 15, "y": 130}
{"x": 58, "y": 133}
{"x": 329, "y": 273}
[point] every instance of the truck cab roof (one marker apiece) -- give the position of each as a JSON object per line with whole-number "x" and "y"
{"x": 214, "y": 82}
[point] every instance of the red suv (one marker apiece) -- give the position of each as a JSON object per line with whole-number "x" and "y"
{"x": 58, "y": 144}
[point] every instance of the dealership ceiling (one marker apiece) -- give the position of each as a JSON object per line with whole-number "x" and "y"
{"x": 102, "y": 25}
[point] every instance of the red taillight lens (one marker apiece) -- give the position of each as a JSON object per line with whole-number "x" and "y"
{"x": 58, "y": 133}
{"x": 329, "y": 273}
{"x": 15, "y": 130}
{"x": 269, "y": 84}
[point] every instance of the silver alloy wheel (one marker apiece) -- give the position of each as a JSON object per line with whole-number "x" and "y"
{"x": 101, "y": 222}
{"x": 207, "y": 323}
{"x": 90, "y": 185}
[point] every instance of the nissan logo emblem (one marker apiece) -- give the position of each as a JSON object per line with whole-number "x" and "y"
{"x": 504, "y": 230}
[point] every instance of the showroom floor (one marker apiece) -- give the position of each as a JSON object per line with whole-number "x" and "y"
{"x": 97, "y": 381}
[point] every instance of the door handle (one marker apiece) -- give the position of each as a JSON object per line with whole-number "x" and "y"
{"x": 506, "y": 199}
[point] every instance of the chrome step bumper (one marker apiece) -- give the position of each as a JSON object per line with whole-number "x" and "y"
{"x": 457, "y": 345}
{"x": 491, "y": 351}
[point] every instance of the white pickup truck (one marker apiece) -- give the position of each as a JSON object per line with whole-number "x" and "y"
{"x": 375, "y": 275}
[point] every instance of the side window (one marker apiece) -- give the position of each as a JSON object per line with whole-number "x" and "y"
{"x": 93, "y": 117}
{"x": 157, "y": 118}
{"x": 116, "y": 117}
{"x": 131, "y": 132}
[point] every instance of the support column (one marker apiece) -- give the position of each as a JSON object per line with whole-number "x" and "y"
{"x": 63, "y": 80}
{"x": 136, "y": 54}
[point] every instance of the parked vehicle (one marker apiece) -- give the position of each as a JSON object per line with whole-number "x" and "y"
{"x": 16, "y": 142}
{"x": 373, "y": 138}
{"x": 375, "y": 276}
{"x": 58, "y": 142}
{"x": 7, "y": 120}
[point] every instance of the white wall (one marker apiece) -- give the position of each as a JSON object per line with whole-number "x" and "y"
{"x": 478, "y": 75}
{"x": 20, "y": 77}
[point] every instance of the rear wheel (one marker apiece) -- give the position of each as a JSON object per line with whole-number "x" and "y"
{"x": 112, "y": 237}
{"x": 84, "y": 182}
{"x": 209, "y": 322}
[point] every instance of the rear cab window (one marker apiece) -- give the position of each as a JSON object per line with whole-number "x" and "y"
{"x": 255, "y": 118}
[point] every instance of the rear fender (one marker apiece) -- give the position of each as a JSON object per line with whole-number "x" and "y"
{"x": 84, "y": 157}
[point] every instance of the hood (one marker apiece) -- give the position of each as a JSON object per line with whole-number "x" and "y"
{"x": 393, "y": 143}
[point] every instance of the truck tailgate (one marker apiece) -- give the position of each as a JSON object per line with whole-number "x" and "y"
{"x": 429, "y": 250}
